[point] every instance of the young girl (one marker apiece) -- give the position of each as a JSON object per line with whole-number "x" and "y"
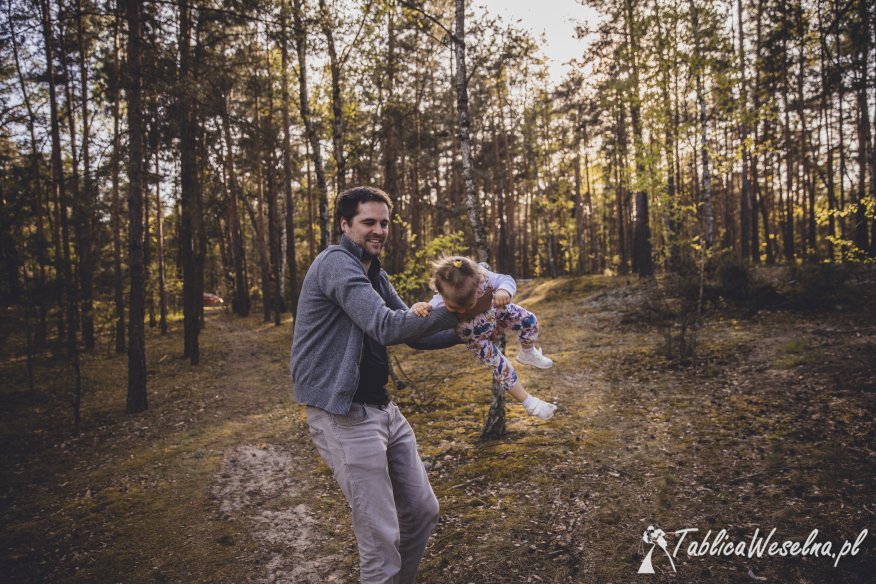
{"x": 459, "y": 282}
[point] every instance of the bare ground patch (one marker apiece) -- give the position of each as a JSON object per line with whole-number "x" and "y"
{"x": 260, "y": 483}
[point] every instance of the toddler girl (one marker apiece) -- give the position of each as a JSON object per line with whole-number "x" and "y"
{"x": 459, "y": 283}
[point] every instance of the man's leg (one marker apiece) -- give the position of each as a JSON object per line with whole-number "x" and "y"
{"x": 415, "y": 501}
{"x": 355, "y": 448}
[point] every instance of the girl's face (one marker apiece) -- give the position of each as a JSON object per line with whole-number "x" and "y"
{"x": 462, "y": 298}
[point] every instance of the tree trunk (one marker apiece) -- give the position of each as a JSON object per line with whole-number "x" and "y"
{"x": 862, "y": 43}
{"x": 337, "y": 104}
{"x": 188, "y": 187}
{"x": 37, "y": 291}
{"x": 136, "y": 334}
{"x": 65, "y": 272}
{"x": 708, "y": 218}
{"x": 240, "y": 305}
{"x": 745, "y": 195}
{"x": 88, "y": 196}
{"x": 471, "y": 203}
{"x": 642, "y": 263}
{"x": 162, "y": 276}
{"x": 116, "y": 217}
{"x": 309, "y": 125}
{"x": 291, "y": 263}
{"x": 495, "y": 423}
{"x": 273, "y": 226}
{"x": 790, "y": 170}
{"x": 257, "y": 214}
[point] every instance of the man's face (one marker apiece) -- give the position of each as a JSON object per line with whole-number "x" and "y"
{"x": 369, "y": 227}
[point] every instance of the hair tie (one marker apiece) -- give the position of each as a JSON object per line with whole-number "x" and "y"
{"x": 457, "y": 263}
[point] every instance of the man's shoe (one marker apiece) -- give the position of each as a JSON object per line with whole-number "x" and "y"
{"x": 534, "y": 358}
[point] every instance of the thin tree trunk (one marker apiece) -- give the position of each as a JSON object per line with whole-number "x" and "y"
{"x": 257, "y": 214}
{"x": 188, "y": 187}
{"x": 115, "y": 163}
{"x": 241, "y": 302}
{"x": 495, "y": 423}
{"x": 38, "y": 297}
{"x": 88, "y": 196}
{"x": 704, "y": 134}
{"x": 291, "y": 263}
{"x": 790, "y": 171}
{"x": 471, "y": 203}
{"x": 862, "y": 43}
{"x": 642, "y": 263}
{"x": 67, "y": 288}
{"x": 337, "y": 103}
{"x": 745, "y": 195}
{"x": 137, "y": 401}
{"x": 309, "y": 125}
{"x": 826, "y": 127}
{"x": 274, "y": 260}
{"x": 162, "y": 276}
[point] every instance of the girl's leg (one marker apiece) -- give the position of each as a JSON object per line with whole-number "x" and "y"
{"x": 521, "y": 321}
{"x": 490, "y": 355}
{"x": 517, "y": 392}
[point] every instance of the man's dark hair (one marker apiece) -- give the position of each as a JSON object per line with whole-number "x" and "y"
{"x": 347, "y": 203}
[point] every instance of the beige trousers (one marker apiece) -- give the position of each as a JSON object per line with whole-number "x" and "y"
{"x": 373, "y": 454}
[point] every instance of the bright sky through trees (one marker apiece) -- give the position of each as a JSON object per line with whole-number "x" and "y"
{"x": 555, "y": 18}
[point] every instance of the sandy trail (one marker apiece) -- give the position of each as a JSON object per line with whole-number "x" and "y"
{"x": 266, "y": 486}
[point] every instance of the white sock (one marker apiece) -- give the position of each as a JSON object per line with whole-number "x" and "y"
{"x": 527, "y": 349}
{"x": 529, "y": 401}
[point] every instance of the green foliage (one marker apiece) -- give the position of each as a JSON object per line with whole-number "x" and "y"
{"x": 413, "y": 282}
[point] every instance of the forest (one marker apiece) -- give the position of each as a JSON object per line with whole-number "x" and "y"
{"x": 168, "y": 170}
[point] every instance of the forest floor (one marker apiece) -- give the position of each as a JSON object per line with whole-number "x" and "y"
{"x": 770, "y": 425}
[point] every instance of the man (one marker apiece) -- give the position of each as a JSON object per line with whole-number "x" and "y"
{"x": 347, "y": 312}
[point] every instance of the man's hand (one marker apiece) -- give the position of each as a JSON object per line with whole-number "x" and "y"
{"x": 501, "y": 298}
{"x": 482, "y": 305}
{"x": 421, "y": 308}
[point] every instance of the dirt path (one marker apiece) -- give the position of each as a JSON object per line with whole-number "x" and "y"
{"x": 269, "y": 487}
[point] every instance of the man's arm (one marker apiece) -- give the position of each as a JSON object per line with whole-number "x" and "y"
{"x": 344, "y": 282}
{"x": 439, "y": 340}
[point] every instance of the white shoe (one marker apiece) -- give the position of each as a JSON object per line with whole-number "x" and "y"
{"x": 534, "y": 358}
{"x": 540, "y": 409}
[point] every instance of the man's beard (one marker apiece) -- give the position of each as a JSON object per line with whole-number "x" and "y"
{"x": 367, "y": 255}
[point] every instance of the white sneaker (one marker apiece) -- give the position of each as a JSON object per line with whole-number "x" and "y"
{"x": 534, "y": 358}
{"x": 540, "y": 409}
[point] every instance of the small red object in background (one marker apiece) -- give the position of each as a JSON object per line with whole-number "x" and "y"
{"x": 212, "y": 300}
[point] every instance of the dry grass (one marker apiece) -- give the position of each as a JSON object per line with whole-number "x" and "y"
{"x": 771, "y": 426}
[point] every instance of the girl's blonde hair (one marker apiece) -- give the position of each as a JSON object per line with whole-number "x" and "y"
{"x": 454, "y": 271}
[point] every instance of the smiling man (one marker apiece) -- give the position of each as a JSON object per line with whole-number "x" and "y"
{"x": 347, "y": 313}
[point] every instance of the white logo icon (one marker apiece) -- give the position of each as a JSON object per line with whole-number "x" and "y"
{"x": 655, "y": 537}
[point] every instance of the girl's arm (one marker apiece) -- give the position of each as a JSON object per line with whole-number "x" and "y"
{"x": 501, "y": 282}
{"x": 437, "y": 301}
